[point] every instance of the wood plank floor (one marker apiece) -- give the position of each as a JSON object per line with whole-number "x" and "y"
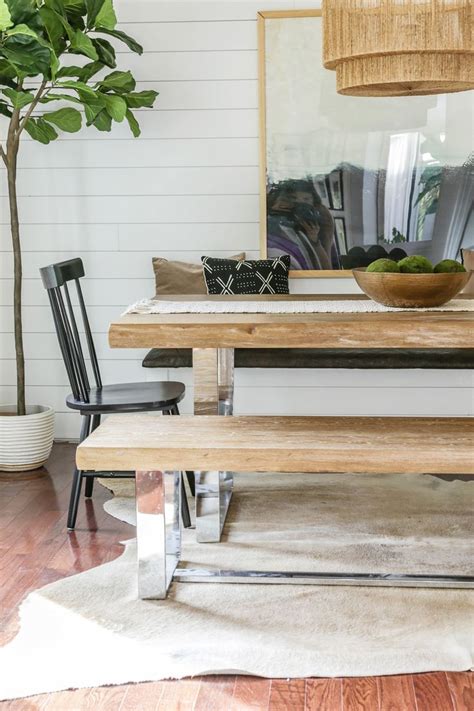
{"x": 35, "y": 549}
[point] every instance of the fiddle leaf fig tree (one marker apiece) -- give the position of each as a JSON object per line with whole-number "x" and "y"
{"x": 57, "y": 72}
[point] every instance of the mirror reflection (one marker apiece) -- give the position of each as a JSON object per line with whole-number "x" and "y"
{"x": 349, "y": 179}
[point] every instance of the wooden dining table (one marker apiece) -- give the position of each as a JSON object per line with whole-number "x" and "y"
{"x": 214, "y": 336}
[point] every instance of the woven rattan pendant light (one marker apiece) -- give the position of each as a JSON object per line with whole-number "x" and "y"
{"x": 399, "y": 47}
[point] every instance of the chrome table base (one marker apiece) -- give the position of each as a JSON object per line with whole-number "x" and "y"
{"x": 213, "y": 495}
{"x": 158, "y": 493}
{"x": 192, "y": 575}
{"x": 159, "y": 545}
{"x": 158, "y": 507}
{"x": 158, "y": 531}
{"x": 214, "y": 395}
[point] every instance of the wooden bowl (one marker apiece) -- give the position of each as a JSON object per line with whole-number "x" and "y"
{"x": 408, "y": 291}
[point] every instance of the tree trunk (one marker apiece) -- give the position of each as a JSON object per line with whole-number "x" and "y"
{"x": 12, "y": 154}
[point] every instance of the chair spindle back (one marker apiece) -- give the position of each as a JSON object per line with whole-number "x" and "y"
{"x": 55, "y": 279}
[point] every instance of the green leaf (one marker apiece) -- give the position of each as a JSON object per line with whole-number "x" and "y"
{"x": 25, "y": 12}
{"x": 92, "y": 107}
{"x": 7, "y": 72}
{"x": 21, "y": 30}
{"x": 69, "y": 120}
{"x": 102, "y": 121}
{"x": 56, "y": 5}
{"x": 106, "y": 17}
{"x": 83, "y": 73}
{"x": 27, "y": 54}
{"x": 75, "y": 7}
{"x": 19, "y": 99}
{"x": 93, "y": 9}
{"x": 40, "y": 131}
{"x": 90, "y": 69}
{"x": 133, "y": 123}
{"x": 140, "y": 99}
{"x": 90, "y": 114}
{"x": 105, "y": 51}
{"x": 119, "y": 82}
{"x": 123, "y": 37}
{"x": 5, "y": 17}
{"x": 78, "y": 86}
{"x": 116, "y": 106}
{"x": 54, "y": 25}
{"x": 30, "y": 53}
{"x": 8, "y": 82}
{"x": 4, "y": 109}
{"x": 54, "y": 65}
{"x": 59, "y": 97}
{"x": 48, "y": 130}
{"x": 82, "y": 44}
{"x": 93, "y": 100}
{"x": 72, "y": 71}
{"x": 75, "y": 10}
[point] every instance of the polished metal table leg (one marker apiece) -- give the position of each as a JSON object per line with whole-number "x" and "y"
{"x": 225, "y": 380}
{"x": 213, "y": 395}
{"x": 213, "y": 495}
{"x": 158, "y": 531}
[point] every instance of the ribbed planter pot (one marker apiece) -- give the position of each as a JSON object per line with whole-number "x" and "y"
{"x": 25, "y": 442}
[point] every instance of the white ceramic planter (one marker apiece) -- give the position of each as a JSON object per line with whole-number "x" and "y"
{"x": 25, "y": 442}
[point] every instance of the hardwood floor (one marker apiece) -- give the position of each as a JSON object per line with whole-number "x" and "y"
{"x": 35, "y": 549}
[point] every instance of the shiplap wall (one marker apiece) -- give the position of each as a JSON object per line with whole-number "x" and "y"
{"x": 188, "y": 186}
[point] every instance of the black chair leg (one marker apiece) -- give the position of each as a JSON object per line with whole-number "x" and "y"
{"x": 189, "y": 475}
{"x": 77, "y": 480}
{"x": 74, "y": 499}
{"x": 89, "y": 488}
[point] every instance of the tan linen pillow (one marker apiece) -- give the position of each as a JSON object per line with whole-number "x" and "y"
{"x": 180, "y": 277}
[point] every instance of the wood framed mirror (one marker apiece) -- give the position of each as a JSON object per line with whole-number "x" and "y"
{"x": 346, "y": 180}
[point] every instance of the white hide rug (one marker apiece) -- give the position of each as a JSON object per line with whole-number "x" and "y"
{"x": 90, "y": 629}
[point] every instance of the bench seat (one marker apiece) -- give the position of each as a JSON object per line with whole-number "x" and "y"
{"x": 387, "y": 358}
{"x": 282, "y": 444}
{"x": 159, "y": 448}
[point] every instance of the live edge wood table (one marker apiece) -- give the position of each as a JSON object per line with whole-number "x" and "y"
{"x": 213, "y": 338}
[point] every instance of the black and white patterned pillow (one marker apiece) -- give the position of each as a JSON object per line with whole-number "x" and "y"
{"x": 263, "y": 276}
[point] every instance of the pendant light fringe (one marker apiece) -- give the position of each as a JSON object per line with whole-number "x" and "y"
{"x": 399, "y": 47}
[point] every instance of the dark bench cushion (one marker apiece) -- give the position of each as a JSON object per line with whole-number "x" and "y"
{"x": 387, "y": 358}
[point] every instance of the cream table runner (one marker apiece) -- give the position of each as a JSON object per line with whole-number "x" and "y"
{"x": 302, "y": 306}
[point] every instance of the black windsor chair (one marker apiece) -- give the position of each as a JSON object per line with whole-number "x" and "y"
{"x": 92, "y": 402}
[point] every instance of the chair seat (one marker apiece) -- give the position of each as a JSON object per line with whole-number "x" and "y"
{"x": 130, "y": 397}
{"x": 376, "y": 358}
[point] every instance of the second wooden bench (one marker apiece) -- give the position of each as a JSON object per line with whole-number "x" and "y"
{"x": 159, "y": 448}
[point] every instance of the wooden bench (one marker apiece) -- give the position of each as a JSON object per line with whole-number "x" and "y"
{"x": 158, "y": 449}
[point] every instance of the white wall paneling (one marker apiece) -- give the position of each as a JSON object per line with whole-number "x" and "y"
{"x": 196, "y": 11}
{"x": 161, "y": 152}
{"x": 214, "y": 123}
{"x": 193, "y": 36}
{"x": 188, "y": 186}
{"x": 66, "y": 182}
{"x": 107, "y": 209}
{"x": 118, "y": 291}
{"x": 44, "y": 347}
{"x": 132, "y": 237}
